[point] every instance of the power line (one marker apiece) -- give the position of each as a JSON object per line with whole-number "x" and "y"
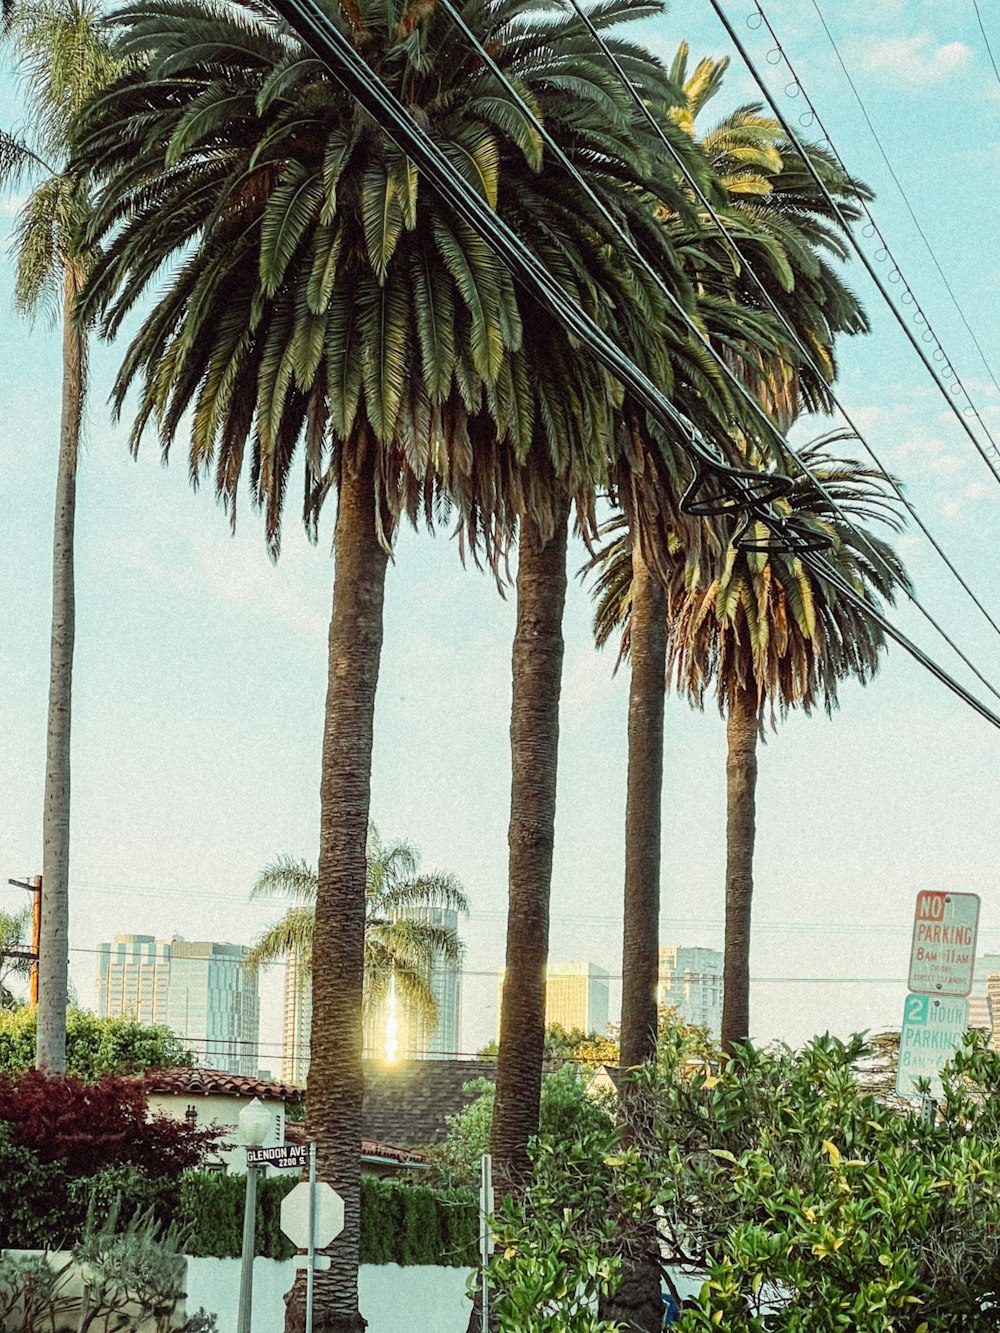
{"x": 670, "y": 923}
{"x": 803, "y": 351}
{"x": 899, "y": 184}
{"x": 883, "y": 253}
{"x": 986, "y": 40}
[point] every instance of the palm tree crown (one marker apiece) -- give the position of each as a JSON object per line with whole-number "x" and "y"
{"x": 401, "y": 949}
{"x": 320, "y": 293}
{"x": 764, "y": 619}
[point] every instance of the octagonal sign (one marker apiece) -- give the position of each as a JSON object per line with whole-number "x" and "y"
{"x": 328, "y": 1220}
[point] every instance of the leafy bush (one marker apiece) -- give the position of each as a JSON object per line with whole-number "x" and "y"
{"x": 808, "y": 1205}
{"x": 64, "y": 1144}
{"x": 95, "y": 1046}
{"x": 133, "y": 1275}
{"x": 568, "y": 1109}
{"x": 90, "y": 1126}
{"x": 401, "y": 1223}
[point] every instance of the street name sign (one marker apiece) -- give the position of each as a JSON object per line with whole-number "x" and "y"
{"x": 933, "y": 1028}
{"x": 285, "y": 1154}
{"x": 943, "y": 954}
{"x": 328, "y": 1216}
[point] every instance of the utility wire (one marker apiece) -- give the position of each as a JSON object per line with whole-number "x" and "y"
{"x": 871, "y": 229}
{"x": 986, "y": 40}
{"x": 801, "y": 347}
{"x": 360, "y": 81}
{"x": 899, "y": 184}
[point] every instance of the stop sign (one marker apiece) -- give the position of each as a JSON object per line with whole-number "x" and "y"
{"x": 329, "y": 1216}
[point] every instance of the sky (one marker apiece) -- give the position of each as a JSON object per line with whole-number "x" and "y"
{"x": 200, "y": 665}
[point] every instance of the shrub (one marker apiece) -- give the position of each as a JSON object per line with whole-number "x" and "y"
{"x": 95, "y": 1046}
{"x": 806, "y": 1204}
{"x": 401, "y": 1222}
{"x": 90, "y": 1126}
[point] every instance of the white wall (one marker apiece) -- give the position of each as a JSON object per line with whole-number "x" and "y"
{"x": 392, "y": 1299}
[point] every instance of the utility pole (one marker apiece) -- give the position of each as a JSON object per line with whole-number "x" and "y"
{"x": 33, "y": 886}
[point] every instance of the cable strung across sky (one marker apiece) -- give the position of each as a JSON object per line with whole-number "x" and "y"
{"x": 800, "y": 346}
{"x": 748, "y": 490}
{"x": 992, "y": 462}
{"x": 899, "y": 185}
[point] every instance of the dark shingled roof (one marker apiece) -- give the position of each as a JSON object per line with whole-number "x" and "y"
{"x": 408, "y": 1102}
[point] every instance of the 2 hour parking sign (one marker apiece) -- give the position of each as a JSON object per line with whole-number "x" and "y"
{"x": 932, "y": 1030}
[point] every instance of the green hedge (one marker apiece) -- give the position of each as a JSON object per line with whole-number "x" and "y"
{"x": 401, "y": 1223}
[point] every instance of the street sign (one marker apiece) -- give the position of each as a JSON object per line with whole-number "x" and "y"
{"x": 329, "y": 1215}
{"x": 933, "y": 1027}
{"x": 943, "y": 954}
{"x": 285, "y": 1154}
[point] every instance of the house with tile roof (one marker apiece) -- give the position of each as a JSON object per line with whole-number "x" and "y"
{"x": 216, "y": 1097}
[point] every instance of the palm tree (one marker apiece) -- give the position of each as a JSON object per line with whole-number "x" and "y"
{"x": 767, "y": 634}
{"x": 403, "y": 945}
{"x": 785, "y": 229}
{"x": 63, "y": 60}
{"x": 12, "y": 943}
{"x": 318, "y": 295}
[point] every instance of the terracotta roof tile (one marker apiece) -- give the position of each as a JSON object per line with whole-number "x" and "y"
{"x": 193, "y": 1081}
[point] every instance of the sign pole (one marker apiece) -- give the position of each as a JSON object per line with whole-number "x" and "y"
{"x": 312, "y": 1238}
{"x": 485, "y": 1236}
{"x": 244, "y": 1312}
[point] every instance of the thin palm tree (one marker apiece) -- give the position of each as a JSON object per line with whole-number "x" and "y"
{"x": 403, "y": 943}
{"x": 768, "y": 635}
{"x": 321, "y": 300}
{"x": 63, "y": 60}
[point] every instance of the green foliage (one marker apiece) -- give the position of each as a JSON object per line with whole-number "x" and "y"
{"x": 568, "y": 1108}
{"x": 401, "y": 1222}
{"x": 399, "y": 948}
{"x": 133, "y": 1275}
{"x": 559, "y": 1251}
{"x": 809, "y": 1206}
{"x": 94, "y": 1046}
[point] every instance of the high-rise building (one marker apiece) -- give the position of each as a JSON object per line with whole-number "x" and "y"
{"x": 690, "y": 980}
{"x": 197, "y": 988}
{"x": 392, "y": 1028}
{"x": 984, "y": 1002}
{"x": 297, "y": 1026}
{"x": 576, "y": 997}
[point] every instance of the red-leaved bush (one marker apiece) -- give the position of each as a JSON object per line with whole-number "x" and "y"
{"x": 90, "y": 1126}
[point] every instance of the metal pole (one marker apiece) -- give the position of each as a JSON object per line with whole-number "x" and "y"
{"x": 485, "y": 1236}
{"x": 312, "y": 1238}
{"x": 36, "y": 936}
{"x": 244, "y": 1313}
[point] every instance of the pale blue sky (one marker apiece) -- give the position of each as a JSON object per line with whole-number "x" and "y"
{"x": 201, "y": 667}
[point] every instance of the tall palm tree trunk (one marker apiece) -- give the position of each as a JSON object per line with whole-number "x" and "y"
{"x": 637, "y": 1304}
{"x": 742, "y": 729}
{"x": 53, "y": 961}
{"x": 335, "y": 1084}
{"x": 641, "y": 948}
{"x": 534, "y": 744}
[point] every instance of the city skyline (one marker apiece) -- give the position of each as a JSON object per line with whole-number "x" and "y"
{"x": 199, "y": 989}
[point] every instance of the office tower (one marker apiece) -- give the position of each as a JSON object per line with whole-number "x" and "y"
{"x": 392, "y": 1028}
{"x": 690, "y": 980}
{"x": 576, "y": 997}
{"x": 984, "y": 1001}
{"x": 197, "y": 988}
{"x": 297, "y": 1025}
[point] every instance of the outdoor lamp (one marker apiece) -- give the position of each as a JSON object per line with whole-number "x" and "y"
{"x": 255, "y": 1122}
